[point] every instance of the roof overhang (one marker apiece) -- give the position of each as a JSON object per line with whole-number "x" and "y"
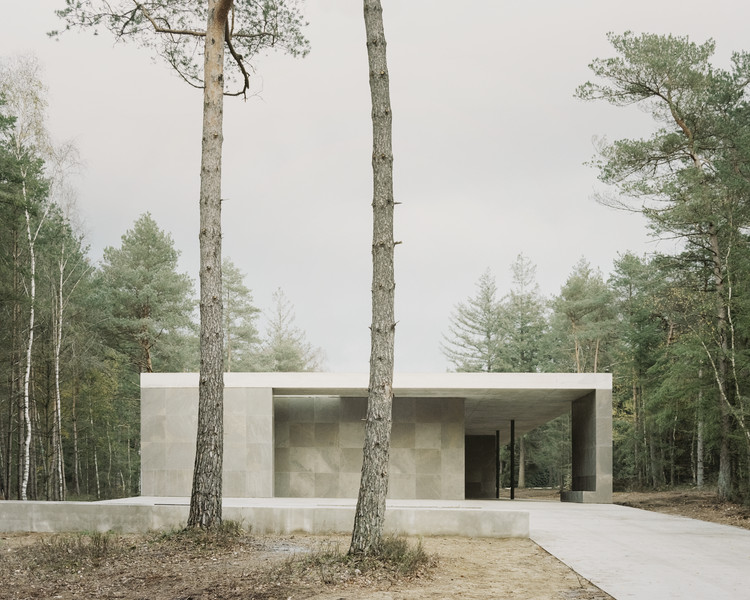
{"x": 492, "y": 400}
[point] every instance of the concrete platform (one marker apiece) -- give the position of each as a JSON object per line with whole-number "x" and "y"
{"x": 269, "y": 515}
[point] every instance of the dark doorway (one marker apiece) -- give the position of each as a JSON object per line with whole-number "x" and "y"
{"x": 479, "y": 457}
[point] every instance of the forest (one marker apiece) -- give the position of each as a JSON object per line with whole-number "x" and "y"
{"x": 672, "y": 328}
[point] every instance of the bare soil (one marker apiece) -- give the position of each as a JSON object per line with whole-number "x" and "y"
{"x": 696, "y": 504}
{"x": 181, "y": 567}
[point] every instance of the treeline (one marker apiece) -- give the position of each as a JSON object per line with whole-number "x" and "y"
{"x": 75, "y": 335}
{"x": 673, "y": 328}
{"x": 635, "y": 325}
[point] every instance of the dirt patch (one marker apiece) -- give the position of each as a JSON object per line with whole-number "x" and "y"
{"x": 268, "y": 567}
{"x": 703, "y": 504}
{"x": 696, "y": 504}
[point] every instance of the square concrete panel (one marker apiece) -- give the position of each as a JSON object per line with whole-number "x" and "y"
{"x": 452, "y": 435}
{"x": 351, "y": 460}
{"x": 349, "y": 485}
{"x": 352, "y": 435}
{"x": 258, "y": 430}
{"x": 428, "y": 462}
{"x": 301, "y": 410}
{"x": 281, "y": 487}
{"x": 353, "y": 409}
{"x": 301, "y": 435}
{"x": 327, "y": 460}
{"x": 402, "y": 486}
{"x": 428, "y": 410}
{"x": 281, "y": 409}
{"x": 428, "y": 435}
{"x": 235, "y": 457}
{"x": 326, "y": 485}
{"x": 302, "y": 460}
{"x": 402, "y": 435}
{"x": 429, "y": 486}
{"x": 326, "y": 434}
{"x": 153, "y": 428}
{"x": 402, "y": 461}
{"x": 281, "y": 460}
{"x": 327, "y": 410}
{"x": 153, "y": 456}
{"x": 403, "y": 410}
{"x": 259, "y": 458}
{"x": 281, "y": 435}
{"x": 302, "y": 485}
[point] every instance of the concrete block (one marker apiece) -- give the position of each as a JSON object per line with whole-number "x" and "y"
{"x": 428, "y": 410}
{"x": 353, "y": 409}
{"x": 302, "y": 485}
{"x": 351, "y": 460}
{"x": 402, "y": 461}
{"x": 428, "y": 435}
{"x": 404, "y": 410}
{"x": 326, "y": 434}
{"x": 428, "y": 462}
{"x": 403, "y": 435}
{"x": 301, "y": 435}
{"x": 352, "y": 435}
{"x": 326, "y": 410}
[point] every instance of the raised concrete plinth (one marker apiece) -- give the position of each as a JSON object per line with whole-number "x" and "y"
{"x": 268, "y": 515}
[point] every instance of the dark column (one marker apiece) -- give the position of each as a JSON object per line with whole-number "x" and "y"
{"x": 512, "y": 459}
{"x": 497, "y": 464}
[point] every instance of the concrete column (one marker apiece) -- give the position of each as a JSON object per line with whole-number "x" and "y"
{"x": 591, "y": 433}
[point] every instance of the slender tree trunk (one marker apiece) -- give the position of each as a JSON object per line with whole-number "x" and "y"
{"x": 725, "y": 460}
{"x": 27, "y": 376}
{"x": 205, "y": 500}
{"x": 522, "y": 461}
{"x": 96, "y": 457}
{"x": 57, "y": 452}
{"x": 373, "y": 490}
{"x": 699, "y": 476}
{"x": 76, "y": 455}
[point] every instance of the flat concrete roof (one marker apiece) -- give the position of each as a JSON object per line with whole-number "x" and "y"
{"x": 492, "y": 400}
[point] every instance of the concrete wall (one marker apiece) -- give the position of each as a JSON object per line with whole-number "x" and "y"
{"x": 169, "y": 422}
{"x": 319, "y": 447}
{"x": 484, "y": 519}
{"x": 591, "y": 433}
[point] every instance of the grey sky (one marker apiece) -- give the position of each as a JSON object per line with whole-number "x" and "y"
{"x": 489, "y": 146}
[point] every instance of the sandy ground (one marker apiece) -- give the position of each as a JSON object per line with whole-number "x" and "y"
{"x": 465, "y": 568}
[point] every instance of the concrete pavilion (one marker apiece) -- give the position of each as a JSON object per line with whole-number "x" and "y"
{"x": 300, "y": 435}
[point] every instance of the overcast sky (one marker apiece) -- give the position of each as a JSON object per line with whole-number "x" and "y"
{"x": 489, "y": 152}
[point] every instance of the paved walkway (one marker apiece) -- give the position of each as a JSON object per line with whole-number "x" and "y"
{"x": 637, "y": 554}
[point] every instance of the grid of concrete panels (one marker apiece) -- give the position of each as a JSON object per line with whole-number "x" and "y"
{"x": 169, "y": 422}
{"x": 318, "y": 447}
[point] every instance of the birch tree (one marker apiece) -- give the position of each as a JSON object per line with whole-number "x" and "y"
{"x": 21, "y": 85}
{"x": 207, "y": 43}
{"x": 373, "y": 489}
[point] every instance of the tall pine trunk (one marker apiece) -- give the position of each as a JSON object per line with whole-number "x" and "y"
{"x": 373, "y": 490}
{"x": 205, "y": 500}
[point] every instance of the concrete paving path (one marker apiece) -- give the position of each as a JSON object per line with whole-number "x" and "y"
{"x": 637, "y": 554}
